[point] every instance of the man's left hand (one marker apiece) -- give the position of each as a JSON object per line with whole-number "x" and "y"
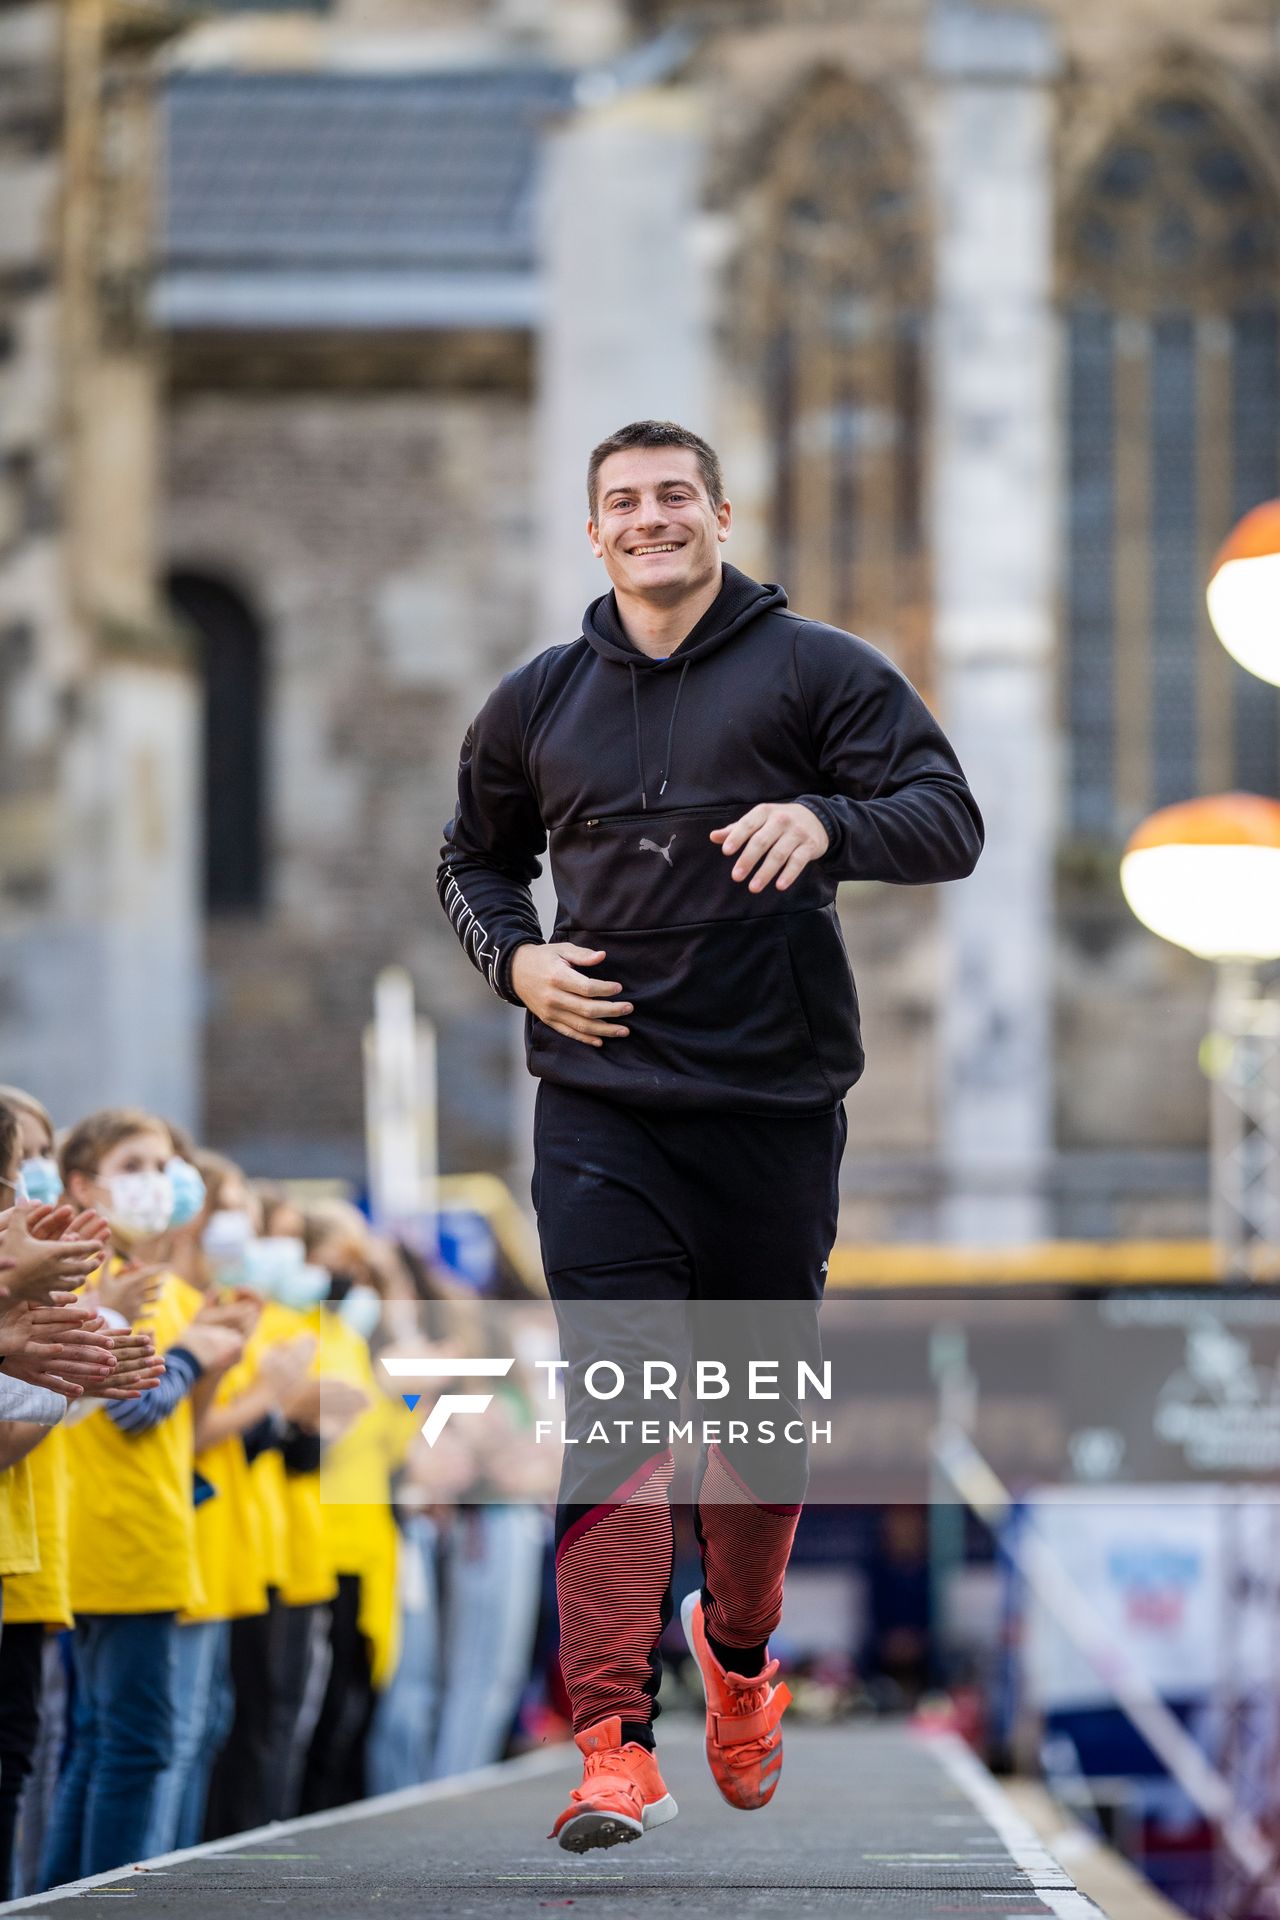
{"x": 778, "y": 839}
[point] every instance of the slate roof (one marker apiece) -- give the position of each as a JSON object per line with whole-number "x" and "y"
{"x": 352, "y": 198}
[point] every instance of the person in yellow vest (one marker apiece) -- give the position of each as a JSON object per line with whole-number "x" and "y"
{"x": 32, "y": 1457}
{"x": 225, "y": 1721}
{"x": 37, "y": 1410}
{"x": 30, "y": 1558}
{"x": 257, "y": 1774}
{"x": 37, "y": 1605}
{"x": 131, "y": 1530}
{"x": 360, "y": 1532}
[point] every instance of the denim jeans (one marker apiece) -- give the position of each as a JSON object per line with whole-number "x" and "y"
{"x": 41, "y": 1789}
{"x": 121, "y": 1744}
{"x": 469, "y": 1594}
{"x": 177, "y": 1815}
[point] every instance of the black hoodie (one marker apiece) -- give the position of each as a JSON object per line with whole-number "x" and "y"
{"x": 622, "y": 765}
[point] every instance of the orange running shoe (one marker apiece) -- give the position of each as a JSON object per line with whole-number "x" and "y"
{"x": 744, "y": 1713}
{"x": 622, "y": 1793}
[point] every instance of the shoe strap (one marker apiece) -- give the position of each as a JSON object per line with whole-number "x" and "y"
{"x": 734, "y": 1728}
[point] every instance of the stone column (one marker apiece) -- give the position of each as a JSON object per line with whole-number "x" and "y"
{"x": 624, "y": 336}
{"x": 995, "y": 519}
{"x": 624, "y": 322}
{"x": 99, "y": 957}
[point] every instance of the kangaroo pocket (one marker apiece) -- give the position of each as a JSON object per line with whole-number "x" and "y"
{"x": 719, "y": 1019}
{"x": 826, "y": 992}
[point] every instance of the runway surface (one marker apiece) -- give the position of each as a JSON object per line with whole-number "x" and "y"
{"x": 870, "y": 1821}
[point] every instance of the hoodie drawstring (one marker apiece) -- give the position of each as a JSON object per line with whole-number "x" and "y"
{"x": 671, "y": 731}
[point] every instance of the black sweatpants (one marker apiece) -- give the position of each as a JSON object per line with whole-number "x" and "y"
{"x": 21, "y": 1657}
{"x": 334, "y": 1772}
{"x": 682, "y": 1210}
{"x": 245, "y": 1783}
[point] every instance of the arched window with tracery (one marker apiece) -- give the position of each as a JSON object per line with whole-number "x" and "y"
{"x": 835, "y": 299}
{"x": 1171, "y": 278}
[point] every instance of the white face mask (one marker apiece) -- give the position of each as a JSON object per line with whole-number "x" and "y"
{"x": 141, "y": 1203}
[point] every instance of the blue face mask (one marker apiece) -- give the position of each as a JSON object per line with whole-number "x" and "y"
{"x": 361, "y": 1309}
{"x": 303, "y": 1288}
{"x": 275, "y": 1265}
{"x": 40, "y": 1180}
{"x": 270, "y": 1261}
{"x": 226, "y": 1236}
{"x": 188, "y": 1191}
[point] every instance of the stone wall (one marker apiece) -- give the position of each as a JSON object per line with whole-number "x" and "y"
{"x": 383, "y": 542}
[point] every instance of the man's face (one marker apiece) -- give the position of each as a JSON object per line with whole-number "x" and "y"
{"x": 655, "y": 529}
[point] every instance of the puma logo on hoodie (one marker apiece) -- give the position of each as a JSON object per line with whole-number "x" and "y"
{"x": 651, "y": 846}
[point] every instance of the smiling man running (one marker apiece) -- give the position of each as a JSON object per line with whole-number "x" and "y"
{"x": 705, "y": 766}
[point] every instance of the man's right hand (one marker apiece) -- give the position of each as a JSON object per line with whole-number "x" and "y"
{"x": 548, "y": 981}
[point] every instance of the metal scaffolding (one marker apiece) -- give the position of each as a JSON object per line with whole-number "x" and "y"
{"x": 1243, "y": 1059}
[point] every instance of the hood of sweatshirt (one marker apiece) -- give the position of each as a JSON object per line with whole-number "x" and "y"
{"x": 740, "y": 601}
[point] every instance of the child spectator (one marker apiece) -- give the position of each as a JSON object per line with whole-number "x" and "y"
{"x": 224, "y": 1640}
{"x": 132, "y": 1563}
{"x": 359, "y": 1528}
{"x": 32, "y": 1458}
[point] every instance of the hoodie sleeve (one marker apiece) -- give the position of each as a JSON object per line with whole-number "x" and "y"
{"x": 491, "y": 845}
{"x": 895, "y": 803}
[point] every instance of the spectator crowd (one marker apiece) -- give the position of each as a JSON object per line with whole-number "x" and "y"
{"x": 197, "y": 1634}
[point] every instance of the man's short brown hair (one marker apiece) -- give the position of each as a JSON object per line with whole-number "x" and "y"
{"x": 657, "y": 433}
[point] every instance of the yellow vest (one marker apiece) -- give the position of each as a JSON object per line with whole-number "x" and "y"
{"x": 267, "y": 1477}
{"x": 132, "y": 1522}
{"x": 309, "y": 1576}
{"x": 309, "y": 1579}
{"x": 45, "y": 1595}
{"x": 19, "y": 1548}
{"x": 360, "y": 1532}
{"x": 229, "y": 1522}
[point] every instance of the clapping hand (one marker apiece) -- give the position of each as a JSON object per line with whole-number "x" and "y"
{"x": 63, "y": 1346}
{"x": 283, "y": 1369}
{"x": 240, "y": 1310}
{"x": 138, "y": 1367}
{"x": 216, "y": 1346}
{"x": 34, "y": 1266}
{"x": 130, "y": 1290}
{"x": 64, "y": 1223}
